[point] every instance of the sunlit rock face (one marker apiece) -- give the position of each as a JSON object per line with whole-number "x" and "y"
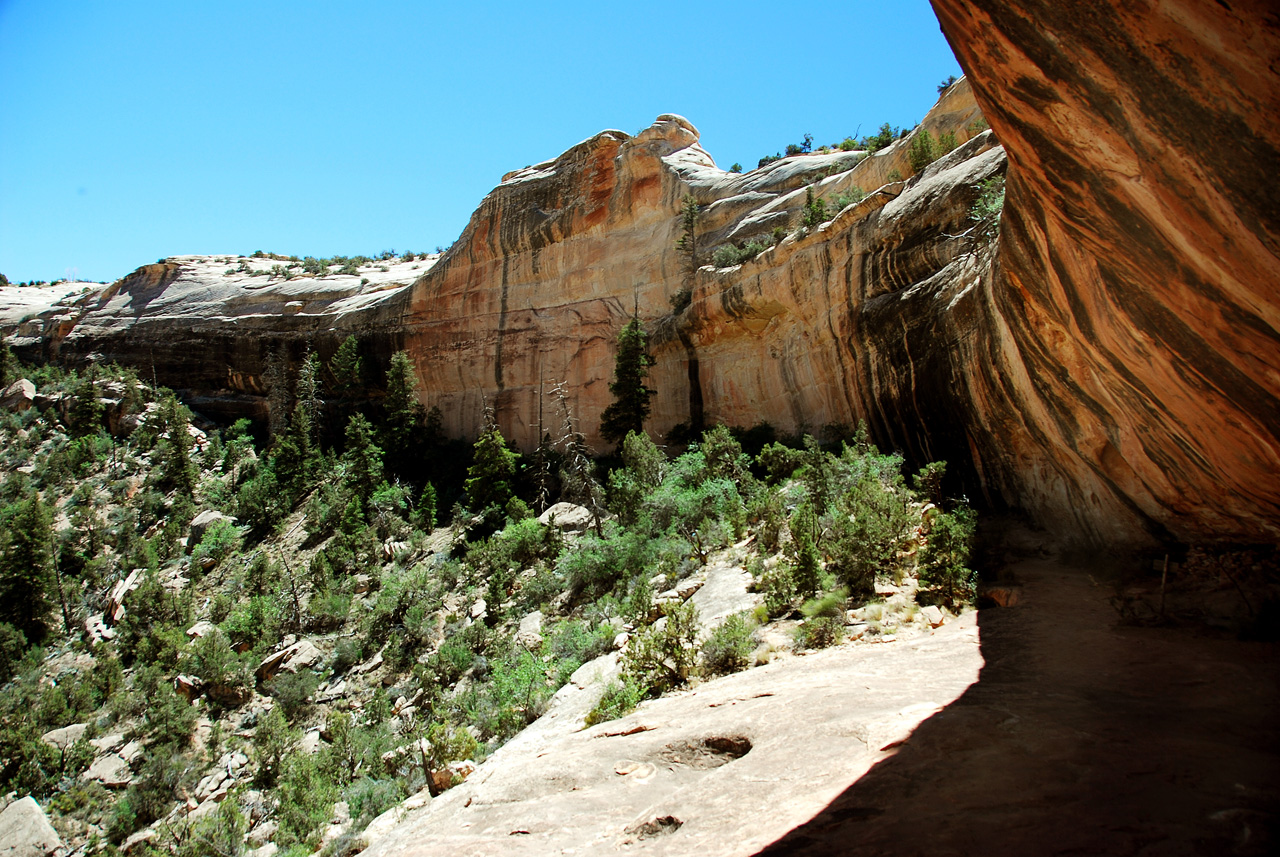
{"x": 559, "y": 256}
{"x": 1108, "y": 364}
{"x": 1131, "y": 362}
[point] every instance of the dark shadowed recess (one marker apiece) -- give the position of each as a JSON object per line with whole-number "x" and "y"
{"x": 1081, "y": 736}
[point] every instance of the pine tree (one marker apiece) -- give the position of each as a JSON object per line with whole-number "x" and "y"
{"x": 630, "y": 406}
{"x": 578, "y": 480}
{"x": 86, "y": 409}
{"x": 363, "y": 459}
{"x": 405, "y": 413}
{"x": 307, "y": 401}
{"x": 173, "y": 450}
{"x": 687, "y": 245}
{"x": 815, "y": 210}
{"x": 922, "y": 151}
{"x": 26, "y": 568}
{"x": 297, "y": 452}
{"x": 347, "y": 368}
{"x": 489, "y": 476}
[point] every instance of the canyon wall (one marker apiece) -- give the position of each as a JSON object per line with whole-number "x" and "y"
{"x": 1108, "y": 364}
{"x": 1131, "y": 368}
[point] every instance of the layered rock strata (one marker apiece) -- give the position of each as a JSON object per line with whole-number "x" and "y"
{"x": 1108, "y": 365}
{"x": 1129, "y": 366}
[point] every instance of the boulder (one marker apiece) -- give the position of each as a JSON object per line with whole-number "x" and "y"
{"x": 25, "y": 832}
{"x": 301, "y": 655}
{"x": 188, "y": 686}
{"x": 18, "y": 396}
{"x": 201, "y": 629}
{"x": 141, "y": 837}
{"x": 567, "y": 516}
{"x": 96, "y": 627}
{"x": 529, "y": 633}
{"x": 113, "y": 610}
{"x": 66, "y": 736}
{"x": 111, "y": 770}
{"x": 262, "y": 834}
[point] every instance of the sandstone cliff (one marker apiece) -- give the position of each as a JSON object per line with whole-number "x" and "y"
{"x": 1131, "y": 337}
{"x": 1109, "y": 365}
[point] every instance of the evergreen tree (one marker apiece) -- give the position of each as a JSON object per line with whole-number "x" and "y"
{"x": 307, "y": 406}
{"x": 7, "y": 363}
{"x": 688, "y": 243}
{"x": 489, "y": 476}
{"x": 86, "y": 409}
{"x": 688, "y": 247}
{"x": 298, "y": 450}
{"x": 404, "y": 413}
{"x": 26, "y": 567}
{"x": 363, "y": 459}
{"x": 425, "y": 513}
{"x": 630, "y": 407}
{"x": 922, "y": 151}
{"x": 815, "y": 210}
{"x": 347, "y": 368}
{"x": 173, "y": 449}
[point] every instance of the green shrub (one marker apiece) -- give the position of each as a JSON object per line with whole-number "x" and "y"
{"x": 944, "y": 572}
{"x": 220, "y": 834}
{"x": 306, "y": 797}
{"x": 815, "y": 210}
{"x": 220, "y": 541}
{"x": 515, "y": 695}
{"x": 872, "y": 525}
{"x": 662, "y": 656}
{"x": 987, "y": 208}
{"x": 824, "y": 621}
{"x": 847, "y": 198}
{"x": 922, "y": 151}
{"x": 212, "y": 660}
{"x": 292, "y": 691}
{"x": 254, "y": 622}
{"x": 619, "y": 699}
{"x": 368, "y": 798}
{"x": 779, "y": 589}
{"x": 779, "y": 462}
{"x": 728, "y": 648}
{"x": 327, "y": 611}
{"x": 273, "y": 743}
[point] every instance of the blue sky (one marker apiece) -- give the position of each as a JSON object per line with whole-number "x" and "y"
{"x": 133, "y": 130}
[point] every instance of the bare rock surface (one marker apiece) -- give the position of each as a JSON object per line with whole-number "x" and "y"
{"x": 1081, "y": 736}
{"x": 1045, "y": 726}
{"x": 18, "y": 396}
{"x": 737, "y": 761}
{"x": 66, "y": 736}
{"x": 25, "y": 832}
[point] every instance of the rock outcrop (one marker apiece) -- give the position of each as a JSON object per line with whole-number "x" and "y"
{"x": 1108, "y": 365}
{"x": 25, "y": 832}
{"x": 1128, "y": 373}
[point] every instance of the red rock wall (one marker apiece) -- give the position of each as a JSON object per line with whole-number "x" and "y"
{"x": 1134, "y": 316}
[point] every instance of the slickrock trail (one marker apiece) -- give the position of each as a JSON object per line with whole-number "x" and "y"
{"x": 1080, "y": 737}
{"x": 723, "y": 769}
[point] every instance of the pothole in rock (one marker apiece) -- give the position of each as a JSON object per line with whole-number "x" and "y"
{"x": 659, "y": 826}
{"x": 708, "y": 753}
